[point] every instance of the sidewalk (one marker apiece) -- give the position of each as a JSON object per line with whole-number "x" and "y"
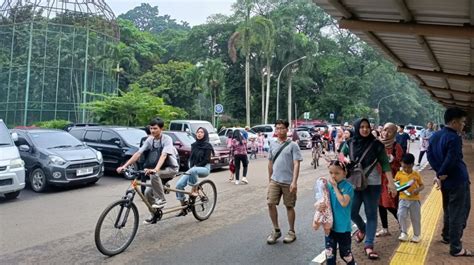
{"x": 430, "y": 249}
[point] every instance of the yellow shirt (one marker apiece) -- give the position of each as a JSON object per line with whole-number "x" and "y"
{"x": 404, "y": 177}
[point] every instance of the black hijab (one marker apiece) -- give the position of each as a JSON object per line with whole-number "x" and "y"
{"x": 361, "y": 143}
{"x": 201, "y": 150}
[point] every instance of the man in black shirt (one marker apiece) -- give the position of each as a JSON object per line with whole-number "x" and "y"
{"x": 402, "y": 138}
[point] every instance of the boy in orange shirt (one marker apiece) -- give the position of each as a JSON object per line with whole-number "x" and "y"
{"x": 409, "y": 204}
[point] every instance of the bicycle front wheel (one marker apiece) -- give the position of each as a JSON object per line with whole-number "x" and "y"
{"x": 205, "y": 202}
{"x": 116, "y": 227}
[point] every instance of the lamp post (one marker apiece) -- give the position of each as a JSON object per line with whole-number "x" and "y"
{"x": 278, "y": 85}
{"x": 378, "y": 106}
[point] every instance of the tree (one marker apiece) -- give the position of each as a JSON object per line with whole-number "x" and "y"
{"x": 133, "y": 108}
{"x": 213, "y": 78}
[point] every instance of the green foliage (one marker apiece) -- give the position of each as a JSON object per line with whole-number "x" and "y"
{"x": 133, "y": 108}
{"x": 53, "y": 124}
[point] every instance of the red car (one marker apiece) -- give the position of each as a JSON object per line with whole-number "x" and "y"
{"x": 183, "y": 140}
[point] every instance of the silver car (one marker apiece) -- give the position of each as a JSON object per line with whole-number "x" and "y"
{"x": 12, "y": 171}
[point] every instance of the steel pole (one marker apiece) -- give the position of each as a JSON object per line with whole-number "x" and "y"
{"x": 278, "y": 84}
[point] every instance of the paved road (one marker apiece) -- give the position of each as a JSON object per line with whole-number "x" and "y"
{"x": 57, "y": 227}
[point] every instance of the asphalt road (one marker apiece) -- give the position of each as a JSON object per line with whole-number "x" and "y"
{"x": 58, "y": 227}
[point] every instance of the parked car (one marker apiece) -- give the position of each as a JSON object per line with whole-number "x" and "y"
{"x": 268, "y": 129}
{"x": 305, "y": 139}
{"x": 183, "y": 140}
{"x": 54, "y": 157}
{"x": 417, "y": 129}
{"x": 191, "y": 126}
{"x": 223, "y": 134}
{"x": 116, "y": 143}
{"x": 12, "y": 170}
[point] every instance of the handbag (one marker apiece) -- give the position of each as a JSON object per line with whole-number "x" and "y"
{"x": 357, "y": 174}
{"x": 232, "y": 166}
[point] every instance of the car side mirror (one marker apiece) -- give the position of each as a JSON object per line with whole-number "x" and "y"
{"x": 24, "y": 148}
{"x": 14, "y": 136}
{"x": 178, "y": 143}
{"x": 117, "y": 142}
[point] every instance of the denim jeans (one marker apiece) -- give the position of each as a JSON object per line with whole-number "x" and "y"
{"x": 191, "y": 178}
{"x": 370, "y": 198}
{"x": 344, "y": 241}
{"x": 456, "y": 208}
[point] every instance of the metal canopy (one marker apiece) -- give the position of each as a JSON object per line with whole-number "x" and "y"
{"x": 430, "y": 40}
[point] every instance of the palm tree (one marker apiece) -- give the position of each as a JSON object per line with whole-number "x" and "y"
{"x": 213, "y": 79}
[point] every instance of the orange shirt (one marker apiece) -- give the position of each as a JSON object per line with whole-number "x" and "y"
{"x": 404, "y": 177}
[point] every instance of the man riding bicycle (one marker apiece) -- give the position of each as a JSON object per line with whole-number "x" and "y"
{"x": 161, "y": 162}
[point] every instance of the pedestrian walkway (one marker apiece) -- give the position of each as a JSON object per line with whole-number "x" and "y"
{"x": 430, "y": 250}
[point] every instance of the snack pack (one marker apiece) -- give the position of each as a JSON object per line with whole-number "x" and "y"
{"x": 322, "y": 218}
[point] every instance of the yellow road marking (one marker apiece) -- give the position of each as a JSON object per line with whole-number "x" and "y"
{"x": 415, "y": 253}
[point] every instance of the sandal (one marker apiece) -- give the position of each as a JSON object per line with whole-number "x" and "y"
{"x": 371, "y": 254}
{"x": 465, "y": 253}
{"x": 359, "y": 236}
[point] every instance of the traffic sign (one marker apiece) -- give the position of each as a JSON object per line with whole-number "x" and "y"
{"x": 331, "y": 116}
{"x": 218, "y": 108}
{"x": 306, "y": 115}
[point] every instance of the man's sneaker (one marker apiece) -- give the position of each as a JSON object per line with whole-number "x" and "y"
{"x": 290, "y": 237}
{"x": 244, "y": 180}
{"x": 237, "y": 182}
{"x": 403, "y": 237}
{"x": 159, "y": 204}
{"x": 273, "y": 237}
{"x": 416, "y": 239}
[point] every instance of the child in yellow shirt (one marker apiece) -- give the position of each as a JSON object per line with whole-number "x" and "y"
{"x": 409, "y": 204}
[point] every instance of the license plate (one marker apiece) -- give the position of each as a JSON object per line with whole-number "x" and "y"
{"x": 84, "y": 171}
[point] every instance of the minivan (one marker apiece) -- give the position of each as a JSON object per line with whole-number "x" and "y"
{"x": 268, "y": 129}
{"x": 116, "y": 143}
{"x": 191, "y": 126}
{"x": 55, "y": 158}
{"x": 12, "y": 170}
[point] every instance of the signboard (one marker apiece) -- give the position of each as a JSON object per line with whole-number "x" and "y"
{"x": 218, "y": 108}
{"x": 306, "y": 115}
{"x": 331, "y": 116}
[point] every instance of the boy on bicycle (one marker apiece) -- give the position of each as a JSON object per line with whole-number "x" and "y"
{"x": 162, "y": 165}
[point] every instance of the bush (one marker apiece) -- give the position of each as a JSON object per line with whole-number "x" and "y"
{"x": 53, "y": 124}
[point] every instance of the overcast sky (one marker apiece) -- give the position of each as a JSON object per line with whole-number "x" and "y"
{"x": 195, "y": 12}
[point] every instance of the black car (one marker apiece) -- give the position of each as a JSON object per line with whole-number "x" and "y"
{"x": 54, "y": 157}
{"x": 116, "y": 143}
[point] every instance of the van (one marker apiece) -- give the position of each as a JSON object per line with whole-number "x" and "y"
{"x": 12, "y": 170}
{"x": 268, "y": 129}
{"x": 191, "y": 126}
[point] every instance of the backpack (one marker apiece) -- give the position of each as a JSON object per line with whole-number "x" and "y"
{"x": 357, "y": 174}
{"x": 154, "y": 156}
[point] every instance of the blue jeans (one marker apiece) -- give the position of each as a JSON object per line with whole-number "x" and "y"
{"x": 191, "y": 178}
{"x": 370, "y": 197}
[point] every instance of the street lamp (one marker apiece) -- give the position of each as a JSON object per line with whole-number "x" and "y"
{"x": 278, "y": 85}
{"x": 378, "y": 106}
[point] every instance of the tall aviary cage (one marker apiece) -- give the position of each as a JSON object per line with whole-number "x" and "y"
{"x": 54, "y": 56}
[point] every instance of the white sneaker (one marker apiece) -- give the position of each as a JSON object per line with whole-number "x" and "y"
{"x": 159, "y": 204}
{"x": 244, "y": 180}
{"x": 237, "y": 182}
{"x": 403, "y": 237}
{"x": 416, "y": 239}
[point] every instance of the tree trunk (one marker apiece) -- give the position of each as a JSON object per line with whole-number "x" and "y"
{"x": 268, "y": 91}
{"x": 290, "y": 77}
{"x": 212, "y": 109}
{"x": 247, "y": 89}
{"x": 263, "y": 96}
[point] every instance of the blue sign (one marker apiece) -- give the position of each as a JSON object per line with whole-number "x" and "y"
{"x": 218, "y": 108}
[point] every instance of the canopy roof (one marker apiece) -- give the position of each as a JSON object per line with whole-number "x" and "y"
{"x": 430, "y": 40}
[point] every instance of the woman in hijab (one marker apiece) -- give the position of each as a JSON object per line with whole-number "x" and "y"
{"x": 394, "y": 152}
{"x": 362, "y": 140}
{"x": 200, "y": 165}
{"x": 239, "y": 152}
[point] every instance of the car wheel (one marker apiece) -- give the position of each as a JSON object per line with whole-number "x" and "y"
{"x": 128, "y": 176}
{"x": 38, "y": 181}
{"x": 12, "y": 195}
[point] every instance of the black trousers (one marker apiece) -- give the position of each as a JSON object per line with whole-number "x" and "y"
{"x": 383, "y": 212}
{"x": 245, "y": 163}
{"x": 344, "y": 241}
{"x": 456, "y": 208}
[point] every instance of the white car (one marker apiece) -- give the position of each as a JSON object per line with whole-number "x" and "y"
{"x": 12, "y": 167}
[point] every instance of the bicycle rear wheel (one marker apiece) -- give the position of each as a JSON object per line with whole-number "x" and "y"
{"x": 116, "y": 227}
{"x": 318, "y": 155}
{"x": 205, "y": 202}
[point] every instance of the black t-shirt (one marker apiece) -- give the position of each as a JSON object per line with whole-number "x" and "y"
{"x": 402, "y": 139}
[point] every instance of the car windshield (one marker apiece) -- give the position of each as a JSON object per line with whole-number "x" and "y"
{"x": 186, "y": 139}
{"x": 51, "y": 140}
{"x": 207, "y": 126}
{"x": 132, "y": 136}
{"x": 409, "y": 127}
{"x": 5, "y": 139}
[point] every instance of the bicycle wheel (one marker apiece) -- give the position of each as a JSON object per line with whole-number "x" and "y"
{"x": 116, "y": 227}
{"x": 318, "y": 155}
{"x": 205, "y": 202}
